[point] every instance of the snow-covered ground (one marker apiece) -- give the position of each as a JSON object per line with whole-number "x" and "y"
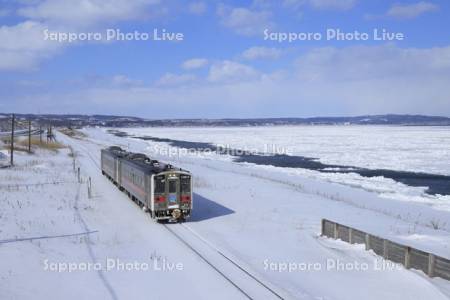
{"x": 262, "y": 218}
{"x": 41, "y": 198}
{"x": 402, "y": 148}
{"x": 4, "y": 157}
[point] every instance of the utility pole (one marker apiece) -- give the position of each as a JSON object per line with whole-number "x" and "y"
{"x": 40, "y": 133}
{"x": 49, "y": 134}
{"x": 29, "y": 136}
{"x": 12, "y": 139}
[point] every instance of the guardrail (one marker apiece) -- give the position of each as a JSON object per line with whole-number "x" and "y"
{"x": 411, "y": 258}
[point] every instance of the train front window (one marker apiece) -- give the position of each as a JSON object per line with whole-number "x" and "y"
{"x": 185, "y": 184}
{"x": 160, "y": 185}
{"x": 172, "y": 186}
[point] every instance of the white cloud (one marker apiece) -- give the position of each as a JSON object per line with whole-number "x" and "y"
{"x": 333, "y": 4}
{"x": 194, "y": 63}
{"x": 322, "y": 4}
{"x": 197, "y": 8}
{"x": 245, "y": 21}
{"x": 373, "y": 63}
{"x": 261, "y": 53}
{"x": 169, "y": 79}
{"x": 122, "y": 80}
{"x": 383, "y": 79}
{"x": 229, "y": 71}
{"x": 409, "y": 11}
{"x": 324, "y": 81}
{"x": 23, "y": 46}
{"x": 85, "y": 13}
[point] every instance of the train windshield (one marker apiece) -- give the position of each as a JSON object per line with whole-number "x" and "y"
{"x": 160, "y": 184}
{"x": 185, "y": 184}
{"x": 172, "y": 186}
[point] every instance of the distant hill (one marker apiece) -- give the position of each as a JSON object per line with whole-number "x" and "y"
{"x": 124, "y": 121}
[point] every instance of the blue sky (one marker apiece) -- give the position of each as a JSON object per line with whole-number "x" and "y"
{"x": 224, "y": 67}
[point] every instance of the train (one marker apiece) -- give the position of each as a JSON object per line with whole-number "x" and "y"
{"x": 159, "y": 188}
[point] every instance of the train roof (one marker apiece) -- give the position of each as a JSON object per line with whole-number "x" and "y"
{"x": 141, "y": 161}
{"x": 115, "y": 151}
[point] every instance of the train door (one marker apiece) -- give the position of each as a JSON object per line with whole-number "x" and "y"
{"x": 173, "y": 192}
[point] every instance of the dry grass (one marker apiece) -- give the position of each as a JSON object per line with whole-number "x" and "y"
{"x": 72, "y": 133}
{"x": 22, "y": 145}
{"x": 17, "y": 147}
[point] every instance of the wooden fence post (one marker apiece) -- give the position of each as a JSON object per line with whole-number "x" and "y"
{"x": 431, "y": 263}
{"x": 323, "y": 227}
{"x": 90, "y": 188}
{"x": 367, "y": 241}
{"x": 408, "y": 257}
{"x": 336, "y": 230}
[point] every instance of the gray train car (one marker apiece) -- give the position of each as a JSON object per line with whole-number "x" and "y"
{"x": 110, "y": 163}
{"x": 161, "y": 189}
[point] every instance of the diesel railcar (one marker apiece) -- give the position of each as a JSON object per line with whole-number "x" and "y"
{"x": 161, "y": 189}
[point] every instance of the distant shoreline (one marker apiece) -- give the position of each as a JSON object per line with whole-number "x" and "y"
{"x": 127, "y": 121}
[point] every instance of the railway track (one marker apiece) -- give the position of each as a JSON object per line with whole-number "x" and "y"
{"x": 234, "y": 273}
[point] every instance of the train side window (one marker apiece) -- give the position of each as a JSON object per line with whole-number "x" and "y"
{"x": 172, "y": 186}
